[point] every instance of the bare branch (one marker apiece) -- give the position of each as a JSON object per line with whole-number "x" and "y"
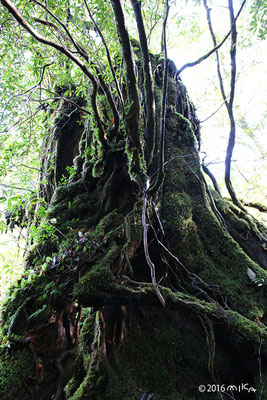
{"x": 79, "y": 49}
{"x": 153, "y": 25}
{"x": 57, "y": 97}
{"x": 51, "y": 25}
{"x": 211, "y": 115}
{"x": 20, "y": 123}
{"x": 192, "y": 64}
{"x": 26, "y": 91}
{"x": 228, "y": 104}
{"x": 16, "y": 187}
{"x": 232, "y": 134}
{"x": 27, "y": 166}
{"x": 217, "y": 53}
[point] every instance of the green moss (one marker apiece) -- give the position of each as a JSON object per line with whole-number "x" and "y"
{"x": 166, "y": 354}
{"x": 97, "y": 279}
{"x": 136, "y": 164}
{"x": 100, "y": 277}
{"x": 196, "y": 235}
{"x": 98, "y": 168}
{"x": 88, "y": 374}
{"x": 109, "y": 222}
{"x": 252, "y": 332}
{"x": 78, "y": 163}
{"x": 15, "y": 369}
{"x": 145, "y": 362}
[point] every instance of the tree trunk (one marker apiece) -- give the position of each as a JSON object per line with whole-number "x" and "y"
{"x": 86, "y": 320}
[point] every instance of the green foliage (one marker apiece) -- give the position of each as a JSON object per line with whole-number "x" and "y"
{"x": 43, "y": 231}
{"x": 258, "y": 22}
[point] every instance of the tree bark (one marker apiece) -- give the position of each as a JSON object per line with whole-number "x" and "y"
{"x": 85, "y": 322}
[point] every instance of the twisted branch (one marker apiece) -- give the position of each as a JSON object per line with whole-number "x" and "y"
{"x": 64, "y": 50}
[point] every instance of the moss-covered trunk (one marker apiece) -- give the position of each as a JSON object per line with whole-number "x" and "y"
{"x": 86, "y": 322}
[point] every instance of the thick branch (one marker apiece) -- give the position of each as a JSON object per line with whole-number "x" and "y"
{"x": 107, "y": 52}
{"x": 160, "y": 173}
{"x": 146, "y": 296}
{"x": 133, "y": 115}
{"x": 258, "y": 206}
{"x": 149, "y": 95}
